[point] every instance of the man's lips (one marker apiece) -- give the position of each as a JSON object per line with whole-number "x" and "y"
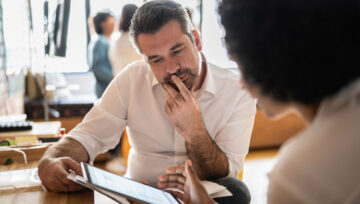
{"x": 183, "y": 77}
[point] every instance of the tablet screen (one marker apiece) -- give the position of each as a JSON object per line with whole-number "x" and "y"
{"x": 127, "y": 187}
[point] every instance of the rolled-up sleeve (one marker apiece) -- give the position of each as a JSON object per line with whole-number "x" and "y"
{"x": 234, "y": 138}
{"x": 103, "y": 125}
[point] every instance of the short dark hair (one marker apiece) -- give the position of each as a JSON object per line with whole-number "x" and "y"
{"x": 153, "y": 15}
{"x": 99, "y": 18}
{"x": 300, "y": 51}
{"x": 126, "y": 15}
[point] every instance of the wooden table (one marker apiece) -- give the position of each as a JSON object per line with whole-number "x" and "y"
{"x": 37, "y": 194}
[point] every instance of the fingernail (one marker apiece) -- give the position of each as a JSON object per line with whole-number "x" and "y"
{"x": 189, "y": 162}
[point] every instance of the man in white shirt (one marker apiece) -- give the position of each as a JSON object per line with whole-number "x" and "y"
{"x": 175, "y": 106}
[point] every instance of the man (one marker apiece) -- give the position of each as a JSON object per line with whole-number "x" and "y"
{"x": 175, "y": 105}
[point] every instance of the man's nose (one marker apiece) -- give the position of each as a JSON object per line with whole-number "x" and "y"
{"x": 172, "y": 66}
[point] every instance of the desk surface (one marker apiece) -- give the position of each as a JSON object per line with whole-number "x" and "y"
{"x": 36, "y": 194}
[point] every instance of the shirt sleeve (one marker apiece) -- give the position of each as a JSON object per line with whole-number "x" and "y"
{"x": 103, "y": 125}
{"x": 99, "y": 66}
{"x": 234, "y": 138}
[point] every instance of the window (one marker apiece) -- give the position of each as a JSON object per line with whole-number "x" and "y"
{"x": 76, "y": 52}
{"x": 212, "y": 34}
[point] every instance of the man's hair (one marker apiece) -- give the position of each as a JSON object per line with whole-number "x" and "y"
{"x": 299, "y": 50}
{"x": 99, "y": 18}
{"x": 126, "y": 15}
{"x": 153, "y": 15}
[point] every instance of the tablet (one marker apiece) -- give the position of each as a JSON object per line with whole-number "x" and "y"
{"x": 128, "y": 188}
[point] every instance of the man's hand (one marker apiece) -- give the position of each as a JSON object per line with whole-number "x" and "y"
{"x": 174, "y": 178}
{"x": 184, "y": 112}
{"x": 186, "y": 118}
{"x": 53, "y": 173}
{"x": 194, "y": 191}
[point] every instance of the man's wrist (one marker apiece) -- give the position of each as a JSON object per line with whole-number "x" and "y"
{"x": 198, "y": 137}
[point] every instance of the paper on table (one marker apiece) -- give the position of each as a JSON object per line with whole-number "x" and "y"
{"x": 16, "y": 179}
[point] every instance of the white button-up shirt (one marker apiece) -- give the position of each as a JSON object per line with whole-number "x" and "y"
{"x": 135, "y": 99}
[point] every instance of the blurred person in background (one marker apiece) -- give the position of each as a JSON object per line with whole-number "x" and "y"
{"x": 122, "y": 51}
{"x": 98, "y": 51}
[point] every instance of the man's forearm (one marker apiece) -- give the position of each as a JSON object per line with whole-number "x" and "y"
{"x": 67, "y": 147}
{"x": 209, "y": 161}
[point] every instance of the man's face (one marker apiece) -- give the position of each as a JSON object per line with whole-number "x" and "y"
{"x": 171, "y": 52}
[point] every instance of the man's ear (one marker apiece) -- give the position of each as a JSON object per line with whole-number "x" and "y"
{"x": 197, "y": 39}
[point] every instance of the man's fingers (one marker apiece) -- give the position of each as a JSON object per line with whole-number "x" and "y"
{"x": 74, "y": 187}
{"x": 172, "y": 177}
{"x": 182, "y": 88}
{"x": 62, "y": 176}
{"x": 65, "y": 183}
{"x": 176, "y": 96}
{"x": 56, "y": 186}
{"x": 175, "y": 170}
{"x": 171, "y": 184}
{"x": 72, "y": 164}
{"x": 169, "y": 105}
{"x": 172, "y": 102}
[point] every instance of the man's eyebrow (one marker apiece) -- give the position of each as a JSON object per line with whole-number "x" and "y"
{"x": 153, "y": 57}
{"x": 176, "y": 46}
{"x": 172, "y": 49}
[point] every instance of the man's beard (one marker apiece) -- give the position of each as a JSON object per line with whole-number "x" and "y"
{"x": 189, "y": 76}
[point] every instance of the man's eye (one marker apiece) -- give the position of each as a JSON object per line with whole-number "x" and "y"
{"x": 177, "y": 52}
{"x": 157, "y": 60}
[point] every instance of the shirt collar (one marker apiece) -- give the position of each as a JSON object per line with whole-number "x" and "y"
{"x": 208, "y": 85}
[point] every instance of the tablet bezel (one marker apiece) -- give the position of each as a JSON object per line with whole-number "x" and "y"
{"x": 87, "y": 176}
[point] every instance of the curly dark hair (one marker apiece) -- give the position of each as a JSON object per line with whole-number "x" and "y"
{"x": 126, "y": 15}
{"x": 153, "y": 15}
{"x": 294, "y": 50}
{"x": 99, "y": 18}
